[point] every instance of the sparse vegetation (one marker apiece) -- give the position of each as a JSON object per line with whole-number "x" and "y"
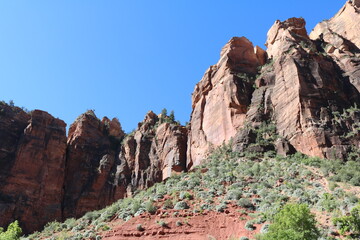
{"x": 259, "y": 188}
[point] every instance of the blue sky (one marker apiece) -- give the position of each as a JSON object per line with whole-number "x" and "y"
{"x": 123, "y": 58}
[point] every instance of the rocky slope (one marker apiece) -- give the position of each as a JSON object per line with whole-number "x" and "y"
{"x": 300, "y": 95}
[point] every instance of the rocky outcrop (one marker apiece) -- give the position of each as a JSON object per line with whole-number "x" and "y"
{"x": 302, "y": 94}
{"x": 152, "y": 153}
{"x": 220, "y": 100}
{"x": 32, "y": 162}
{"x": 339, "y": 38}
{"x": 104, "y": 170}
{"x": 303, "y": 88}
{"x": 90, "y": 159}
{"x": 302, "y": 91}
{"x": 46, "y": 177}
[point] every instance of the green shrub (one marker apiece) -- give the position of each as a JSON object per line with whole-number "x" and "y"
{"x": 13, "y": 232}
{"x": 162, "y": 223}
{"x": 249, "y": 225}
{"x": 181, "y": 205}
{"x": 245, "y": 203}
{"x": 351, "y": 223}
{"x": 233, "y": 195}
{"x": 185, "y": 195}
{"x": 150, "y": 207}
{"x": 293, "y": 222}
{"x": 221, "y": 207}
{"x": 139, "y": 227}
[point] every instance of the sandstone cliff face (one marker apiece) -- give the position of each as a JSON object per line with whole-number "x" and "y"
{"x": 221, "y": 98}
{"x": 304, "y": 86}
{"x": 303, "y": 91}
{"x": 91, "y": 155}
{"x": 306, "y": 83}
{"x": 46, "y": 177}
{"x": 33, "y": 157}
{"x": 152, "y": 153}
{"x": 100, "y": 170}
{"x": 339, "y": 37}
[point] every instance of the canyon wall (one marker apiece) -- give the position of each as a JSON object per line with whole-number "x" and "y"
{"x": 47, "y": 176}
{"x": 305, "y": 86}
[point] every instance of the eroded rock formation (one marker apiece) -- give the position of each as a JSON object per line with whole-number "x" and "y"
{"x": 305, "y": 85}
{"x": 303, "y": 92}
{"x": 220, "y": 100}
{"x": 339, "y": 38}
{"x": 91, "y": 155}
{"x": 152, "y": 153}
{"x": 33, "y": 148}
{"x": 46, "y": 177}
{"x": 306, "y": 88}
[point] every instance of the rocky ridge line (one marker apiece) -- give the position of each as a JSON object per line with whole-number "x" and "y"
{"x": 305, "y": 88}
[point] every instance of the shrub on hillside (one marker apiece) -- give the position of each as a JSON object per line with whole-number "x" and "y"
{"x": 181, "y": 205}
{"x": 13, "y": 232}
{"x": 293, "y": 222}
{"x": 350, "y": 224}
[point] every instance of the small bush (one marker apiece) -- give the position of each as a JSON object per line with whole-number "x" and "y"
{"x": 249, "y": 226}
{"x": 185, "y": 195}
{"x": 162, "y": 223}
{"x": 351, "y": 223}
{"x": 221, "y": 207}
{"x": 150, "y": 207}
{"x": 181, "y": 205}
{"x": 245, "y": 203}
{"x": 139, "y": 227}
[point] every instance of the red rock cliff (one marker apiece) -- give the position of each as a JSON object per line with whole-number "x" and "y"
{"x": 32, "y": 162}
{"x": 220, "y": 100}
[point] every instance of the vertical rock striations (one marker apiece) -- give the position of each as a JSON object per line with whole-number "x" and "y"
{"x": 91, "y": 155}
{"x": 306, "y": 83}
{"x": 45, "y": 177}
{"x": 32, "y": 167}
{"x": 339, "y": 38}
{"x": 220, "y": 100}
{"x": 152, "y": 153}
{"x": 304, "y": 89}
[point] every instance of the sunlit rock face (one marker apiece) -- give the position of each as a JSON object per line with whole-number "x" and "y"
{"x": 220, "y": 100}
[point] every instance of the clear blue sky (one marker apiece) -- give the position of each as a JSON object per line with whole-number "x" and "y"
{"x": 123, "y": 58}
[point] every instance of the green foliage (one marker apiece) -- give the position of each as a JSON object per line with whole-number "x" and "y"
{"x": 181, "y": 205}
{"x": 13, "y": 232}
{"x": 150, "y": 207}
{"x": 249, "y": 225}
{"x": 185, "y": 195}
{"x": 139, "y": 227}
{"x": 162, "y": 223}
{"x": 293, "y": 222}
{"x": 349, "y": 224}
{"x": 164, "y": 112}
{"x": 165, "y": 118}
{"x": 172, "y": 116}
